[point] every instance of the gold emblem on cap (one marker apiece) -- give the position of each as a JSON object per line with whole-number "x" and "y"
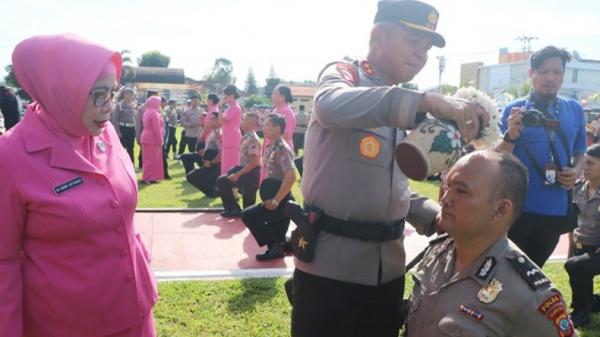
{"x": 370, "y": 147}
{"x": 432, "y": 18}
{"x": 488, "y": 294}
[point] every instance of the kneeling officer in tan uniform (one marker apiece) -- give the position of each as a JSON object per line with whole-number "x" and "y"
{"x": 474, "y": 281}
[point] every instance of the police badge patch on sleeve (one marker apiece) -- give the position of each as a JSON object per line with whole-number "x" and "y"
{"x": 348, "y": 73}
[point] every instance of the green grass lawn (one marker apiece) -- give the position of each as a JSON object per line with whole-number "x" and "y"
{"x": 252, "y": 307}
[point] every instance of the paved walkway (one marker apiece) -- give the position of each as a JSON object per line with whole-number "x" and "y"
{"x": 203, "y": 245}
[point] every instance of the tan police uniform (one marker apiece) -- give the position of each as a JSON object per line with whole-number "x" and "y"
{"x": 502, "y": 293}
{"x": 350, "y": 173}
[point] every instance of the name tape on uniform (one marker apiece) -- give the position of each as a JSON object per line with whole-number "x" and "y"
{"x": 68, "y": 185}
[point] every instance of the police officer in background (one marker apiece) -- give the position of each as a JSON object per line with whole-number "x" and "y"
{"x": 475, "y": 281}
{"x": 266, "y": 221}
{"x": 354, "y": 284}
{"x": 245, "y": 176}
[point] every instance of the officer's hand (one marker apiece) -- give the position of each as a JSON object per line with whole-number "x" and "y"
{"x": 270, "y": 205}
{"x": 465, "y": 114}
{"x": 567, "y": 178}
{"x": 234, "y": 177}
{"x": 515, "y": 124}
{"x": 206, "y": 164}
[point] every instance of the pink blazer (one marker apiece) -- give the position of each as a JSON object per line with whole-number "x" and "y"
{"x": 290, "y": 124}
{"x": 154, "y": 126}
{"x": 71, "y": 263}
{"x": 232, "y": 136}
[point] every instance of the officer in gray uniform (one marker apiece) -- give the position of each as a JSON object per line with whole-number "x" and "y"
{"x": 354, "y": 284}
{"x": 475, "y": 281}
{"x": 205, "y": 178}
{"x": 266, "y": 221}
{"x": 585, "y": 262}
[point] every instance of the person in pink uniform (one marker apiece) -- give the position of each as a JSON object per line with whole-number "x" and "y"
{"x": 281, "y": 99}
{"x": 230, "y": 121}
{"x": 152, "y": 140}
{"x": 71, "y": 262}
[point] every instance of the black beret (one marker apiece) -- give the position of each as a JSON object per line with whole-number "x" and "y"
{"x": 414, "y": 14}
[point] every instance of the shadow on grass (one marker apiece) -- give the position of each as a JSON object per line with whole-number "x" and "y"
{"x": 254, "y": 291}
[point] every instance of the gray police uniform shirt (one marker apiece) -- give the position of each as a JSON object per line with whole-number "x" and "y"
{"x": 350, "y": 171}
{"x": 190, "y": 119}
{"x": 502, "y": 293}
{"x": 588, "y": 223}
{"x": 250, "y": 146}
{"x": 171, "y": 117}
{"x": 278, "y": 159}
{"x": 301, "y": 122}
{"x": 213, "y": 141}
{"x": 124, "y": 113}
{"x": 139, "y": 126}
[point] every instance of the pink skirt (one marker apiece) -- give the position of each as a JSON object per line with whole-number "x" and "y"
{"x": 230, "y": 157}
{"x": 153, "y": 162}
{"x": 144, "y": 329}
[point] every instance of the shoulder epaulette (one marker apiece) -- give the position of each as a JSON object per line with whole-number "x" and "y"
{"x": 531, "y": 273}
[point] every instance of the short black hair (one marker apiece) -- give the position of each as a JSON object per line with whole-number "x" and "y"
{"x": 548, "y": 52}
{"x": 213, "y": 98}
{"x": 194, "y": 96}
{"x": 163, "y": 99}
{"x": 286, "y": 92}
{"x": 151, "y": 93}
{"x": 277, "y": 121}
{"x": 514, "y": 178}
{"x": 593, "y": 151}
{"x": 231, "y": 90}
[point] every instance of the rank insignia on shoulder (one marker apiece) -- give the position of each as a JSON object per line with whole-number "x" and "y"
{"x": 348, "y": 72}
{"x": 534, "y": 277}
{"x": 489, "y": 293}
{"x": 471, "y": 312}
{"x": 486, "y": 267}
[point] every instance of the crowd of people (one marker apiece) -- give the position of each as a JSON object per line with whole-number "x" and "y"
{"x": 72, "y": 262}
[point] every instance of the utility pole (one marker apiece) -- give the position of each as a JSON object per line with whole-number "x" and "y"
{"x": 442, "y": 67}
{"x": 526, "y": 40}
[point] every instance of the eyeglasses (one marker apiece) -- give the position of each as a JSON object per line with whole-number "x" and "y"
{"x": 102, "y": 95}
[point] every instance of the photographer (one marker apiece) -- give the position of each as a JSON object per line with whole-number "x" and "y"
{"x": 547, "y": 133}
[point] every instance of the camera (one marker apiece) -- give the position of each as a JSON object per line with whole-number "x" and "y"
{"x": 532, "y": 118}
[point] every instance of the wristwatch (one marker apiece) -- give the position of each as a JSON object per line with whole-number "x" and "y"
{"x": 507, "y": 138}
{"x": 275, "y": 202}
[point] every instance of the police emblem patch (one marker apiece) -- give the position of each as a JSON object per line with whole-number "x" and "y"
{"x": 432, "y": 19}
{"x": 369, "y": 147}
{"x": 486, "y": 267}
{"x": 367, "y": 68}
{"x": 348, "y": 73}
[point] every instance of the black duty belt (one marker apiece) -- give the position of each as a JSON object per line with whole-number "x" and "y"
{"x": 366, "y": 231}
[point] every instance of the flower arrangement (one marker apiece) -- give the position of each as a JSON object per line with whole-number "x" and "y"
{"x": 490, "y": 136}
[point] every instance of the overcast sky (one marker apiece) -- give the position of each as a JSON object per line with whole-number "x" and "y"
{"x": 297, "y": 37}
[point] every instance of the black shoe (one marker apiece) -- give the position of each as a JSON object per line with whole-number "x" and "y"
{"x": 595, "y": 303}
{"x": 232, "y": 213}
{"x": 580, "y": 318}
{"x": 274, "y": 252}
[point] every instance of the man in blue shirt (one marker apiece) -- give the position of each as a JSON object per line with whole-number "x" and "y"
{"x": 551, "y": 145}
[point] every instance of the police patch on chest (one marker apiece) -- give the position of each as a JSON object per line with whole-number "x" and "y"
{"x": 486, "y": 267}
{"x": 68, "y": 185}
{"x": 369, "y": 147}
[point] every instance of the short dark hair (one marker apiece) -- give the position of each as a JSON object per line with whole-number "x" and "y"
{"x": 514, "y": 179}
{"x": 231, "y": 90}
{"x": 277, "y": 121}
{"x": 593, "y": 151}
{"x": 163, "y": 99}
{"x": 548, "y": 52}
{"x": 286, "y": 92}
{"x": 194, "y": 96}
{"x": 213, "y": 98}
{"x": 151, "y": 93}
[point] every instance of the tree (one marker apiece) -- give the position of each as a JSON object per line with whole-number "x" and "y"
{"x": 127, "y": 73}
{"x": 11, "y": 81}
{"x": 448, "y": 89}
{"x": 256, "y": 99}
{"x": 521, "y": 91}
{"x": 222, "y": 71}
{"x": 411, "y": 86}
{"x": 154, "y": 59}
{"x": 272, "y": 82}
{"x": 251, "y": 88}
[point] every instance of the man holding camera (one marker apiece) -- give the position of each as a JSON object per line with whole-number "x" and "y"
{"x": 547, "y": 133}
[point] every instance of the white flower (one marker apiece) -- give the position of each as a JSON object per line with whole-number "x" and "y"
{"x": 490, "y": 135}
{"x": 455, "y": 138}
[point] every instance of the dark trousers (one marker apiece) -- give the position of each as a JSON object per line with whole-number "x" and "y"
{"x": 247, "y": 183}
{"x": 325, "y": 307}
{"x": 205, "y": 179}
{"x": 140, "y": 161}
{"x": 171, "y": 141}
{"x": 165, "y": 163}
{"x": 537, "y": 235}
{"x": 181, "y": 142}
{"x": 298, "y": 140}
{"x": 267, "y": 227}
{"x": 299, "y": 163}
{"x": 189, "y": 159}
{"x": 127, "y": 139}
{"x": 190, "y": 142}
{"x": 582, "y": 267}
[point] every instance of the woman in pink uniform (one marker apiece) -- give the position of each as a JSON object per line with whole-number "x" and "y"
{"x": 232, "y": 135}
{"x": 281, "y": 99}
{"x": 71, "y": 263}
{"x": 152, "y": 140}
